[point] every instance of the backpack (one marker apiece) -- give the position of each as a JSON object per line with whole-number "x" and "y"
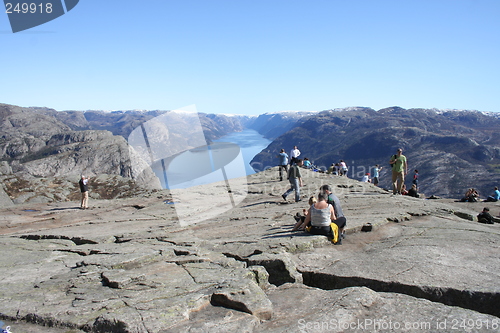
{"x": 392, "y": 157}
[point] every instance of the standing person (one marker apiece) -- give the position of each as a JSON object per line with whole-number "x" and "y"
{"x": 283, "y": 163}
{"x": 294, "y": 155}
{"x": 84, "y": 189}
{"x": 399, "y": 170}
{"x": 343, "y": 168}
{"x": 376, "y": 174}
{"x": 415, "y": 178}
{"x": 333, "y": 200}
{"x": 295, "y": 180}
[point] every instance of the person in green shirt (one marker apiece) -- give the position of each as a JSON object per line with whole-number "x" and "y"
{"x": 399, "y": 170}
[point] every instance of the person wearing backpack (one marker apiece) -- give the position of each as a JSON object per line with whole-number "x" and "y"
{"x": 399, "y": 170}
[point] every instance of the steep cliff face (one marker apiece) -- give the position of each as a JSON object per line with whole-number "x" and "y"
{"x": 452, "y": 150}
{"x": 272, "y": 125}
{"x": 76, "y": 153}
{"x": 216, "y": 126}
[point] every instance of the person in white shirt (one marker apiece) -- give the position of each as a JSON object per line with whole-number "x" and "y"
{"x": 366, "y": 178}
{"x": 294, "y": 154}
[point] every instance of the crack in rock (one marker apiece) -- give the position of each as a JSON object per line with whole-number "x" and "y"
{"x": 483, "y": 302}
{"x": 76, "y": 240}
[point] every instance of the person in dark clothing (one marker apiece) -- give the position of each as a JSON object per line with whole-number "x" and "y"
{"x": 295, "y": 180}
{"x": 485, "y": 216}
{"x": 413, "y": 191}
{"x": 84, "y": 189}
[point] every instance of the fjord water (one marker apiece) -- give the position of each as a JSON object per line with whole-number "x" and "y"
{"x": 228, "y": 157}
{"x": 250, "y": 142}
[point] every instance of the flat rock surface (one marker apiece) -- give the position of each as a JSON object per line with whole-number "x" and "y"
{"x": 128, "y": 265}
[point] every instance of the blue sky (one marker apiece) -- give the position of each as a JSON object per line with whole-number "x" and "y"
{"x": 252, "y": 57}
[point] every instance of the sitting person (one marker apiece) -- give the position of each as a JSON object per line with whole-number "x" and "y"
{"x": 494, "y": 197}
{"x": 404, "y": 191}
{"x": 307, "y": 163}
{"x": 331, "y": 169}
{"x": 319, "y": 219}
{"x": 333, "y": 200}
{"x": 301, "y": 218}
{"x": 485, "y": 216}
{"x": 470, "y": 196}
{"x": 413, "y": 191}
{"x": 320, "y": 216}
{"x": 366, "y": 178}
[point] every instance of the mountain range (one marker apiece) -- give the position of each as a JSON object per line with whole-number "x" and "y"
{"x": 452, "y": 149}
{"x": 41, "y": 149}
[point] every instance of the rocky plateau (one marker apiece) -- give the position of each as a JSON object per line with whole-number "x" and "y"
{"x": 127, "y": 265}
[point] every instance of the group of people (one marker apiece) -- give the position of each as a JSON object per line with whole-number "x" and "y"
{"x": 398, "y": 163}
{"x": 472, "y": 195}
{"x": 399, "y": 170}
{"x": 338, "y": 169}
{"x": 291, "y": 168}
{"x": 324, "y": 216}
{"x": 286, "y": 160}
